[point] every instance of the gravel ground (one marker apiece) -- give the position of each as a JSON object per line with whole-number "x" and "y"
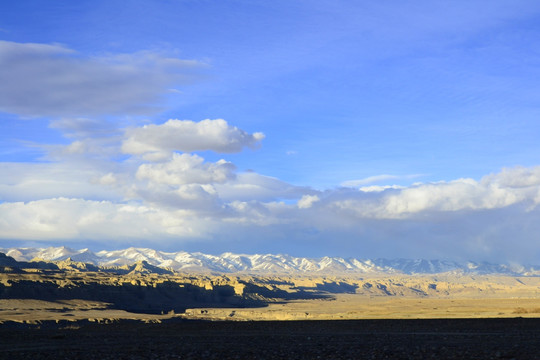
{"x": 515, "y": 338}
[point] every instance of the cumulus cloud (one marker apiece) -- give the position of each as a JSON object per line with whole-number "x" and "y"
{"x": 187, "y": 169}
{"x": 158, "y": 141}
{"x": 198, "y": 198}
{"x": 307, "y": 201}
{"x": 91, "y": 139}
{"x": 495, "y": 191}
{"x": 253, "y": 186}
{"x": 186, "y": 198}
{"x": 260, "y": 214}
{"x": 30, "y": 181}
{"x": 379, "y": 188}
{"x": 72, "y": 219}
{"x": 183, "y": 182}
{"x": 518, "y": 177}
{"x": 54, "y": 80}
{"x": 107, "y": 179}
{"x": 187, "y": 181}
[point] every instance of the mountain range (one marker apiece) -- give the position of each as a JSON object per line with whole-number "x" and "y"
{"x": 264, "y": 263}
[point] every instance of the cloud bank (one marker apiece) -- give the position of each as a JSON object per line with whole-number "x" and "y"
{"x": 185, "y": 200}
{"x": 54, "y": 80}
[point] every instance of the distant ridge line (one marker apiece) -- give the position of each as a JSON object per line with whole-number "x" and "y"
{"x": 265, "y": 263}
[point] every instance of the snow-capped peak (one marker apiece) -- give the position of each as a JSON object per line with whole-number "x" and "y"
{"x": 263, "y": 263}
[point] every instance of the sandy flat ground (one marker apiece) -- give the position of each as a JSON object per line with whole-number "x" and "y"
{"x": 35, "y": 311}
{"x": 324, "y": 298}
{"x": 418, "y": 318}
{"x": 350, "y": 326}
{"x": 344, "y": 306}
{"x": 352, "y": 306}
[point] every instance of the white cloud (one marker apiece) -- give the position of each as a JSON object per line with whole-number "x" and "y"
{"x": 107, "y": 179}
{"x": 249, "y": 213}
{"x": 200, "y": 198}
{"x": 90, "y": 140}
{"x": 186, "y": 198}
{"x": 187, "y": 169}
{"x": 252, "y": 186}
{"x": 188, "y": 136}
{"x": 186, "y": 181}
{"x": 495, "y": 191}
{"x": 53, "y": 80}
{"x": 307, "y": 201}
{"x": 76, "y": 219}
{"x": 30, "y": 181}
{"x": 379, "y": 188}
{"x": 518, "y": 177}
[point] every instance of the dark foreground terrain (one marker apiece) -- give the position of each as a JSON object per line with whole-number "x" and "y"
{"x": 515, "y": 338}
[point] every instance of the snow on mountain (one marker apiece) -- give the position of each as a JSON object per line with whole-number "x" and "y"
{"x": 418, "y": 266}
{"x": 131, "y": 255}
{"x": 52, "y": 253}
{"x": 18, "y": 254}
{"x": 264, "y": 263}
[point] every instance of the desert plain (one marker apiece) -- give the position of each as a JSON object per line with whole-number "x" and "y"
{"x": 70, "y": 296}
{"x": 70, "y": 310}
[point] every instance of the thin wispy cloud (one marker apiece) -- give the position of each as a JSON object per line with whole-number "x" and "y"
{"x": 384, "y": 178}
{"x": 53, "y": 80}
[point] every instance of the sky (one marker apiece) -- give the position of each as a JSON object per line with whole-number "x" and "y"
{"x": 312, "y": 128}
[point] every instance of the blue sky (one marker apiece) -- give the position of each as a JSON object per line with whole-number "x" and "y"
{"x": 349, "y": 128}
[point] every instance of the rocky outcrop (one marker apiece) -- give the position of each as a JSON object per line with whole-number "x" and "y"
{"x": 142, "y": 287}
